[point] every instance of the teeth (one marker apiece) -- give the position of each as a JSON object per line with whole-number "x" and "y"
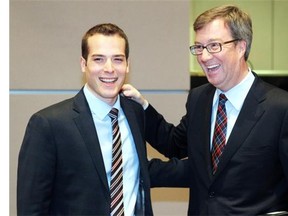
{"x": 212, "y": 66}
{"x": 108, "y": 80}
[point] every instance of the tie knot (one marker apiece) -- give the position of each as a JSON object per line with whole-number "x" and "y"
{"x": 222, "y": 98}
{"x": 113, "y": 114}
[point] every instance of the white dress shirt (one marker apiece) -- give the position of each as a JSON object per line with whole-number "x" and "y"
{"x": 131, "y": 170}
{"x": 236, "y": 97}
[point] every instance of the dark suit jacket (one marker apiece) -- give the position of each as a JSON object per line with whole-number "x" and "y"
{"x": 61, "y": 169}
{"x": 252, "y": 176}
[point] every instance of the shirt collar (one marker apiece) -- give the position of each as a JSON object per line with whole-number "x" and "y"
{"x": 98, "y": 107}
{"x": 238, "y": 93}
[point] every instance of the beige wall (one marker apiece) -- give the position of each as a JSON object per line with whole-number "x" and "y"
{"x": 45, "y": 51}
{"x": 45, "y": 41}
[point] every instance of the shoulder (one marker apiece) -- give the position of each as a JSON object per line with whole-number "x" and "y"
{"x": 202, "y": 89}
{"x": 129, "y": 104}
{"x": 274, "y": 99}
{"x": 202, "y": 92}
{"x": 269, "y": 91}
{"x": 57, "y": 108}
{"x": 62, "y": 108}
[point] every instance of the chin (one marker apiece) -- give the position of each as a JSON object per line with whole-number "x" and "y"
{"x": 113, "y": 94}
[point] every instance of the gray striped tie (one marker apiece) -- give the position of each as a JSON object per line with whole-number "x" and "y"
{"x": 116, "y": 183}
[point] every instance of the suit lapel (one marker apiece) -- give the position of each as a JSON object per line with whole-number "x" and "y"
{"x": 85, "y": 124}
{"x": 133, "y": 120}
{"x": 249, "y": 115}
{"x": 200, "y": 108}
{"x": 208, "y": 100}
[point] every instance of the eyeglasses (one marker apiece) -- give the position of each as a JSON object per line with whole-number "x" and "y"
{"x": 213, "y": 47}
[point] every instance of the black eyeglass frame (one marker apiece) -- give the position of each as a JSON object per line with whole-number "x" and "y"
{"x": 192, "y": 48}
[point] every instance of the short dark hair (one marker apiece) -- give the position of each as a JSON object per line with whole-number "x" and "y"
{"x": 107, "y": 29}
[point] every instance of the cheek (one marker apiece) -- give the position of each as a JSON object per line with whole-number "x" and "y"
{"x": 200, "y": 62}
{"x": 94, "y": 70}
{"x": 122, "y": 70}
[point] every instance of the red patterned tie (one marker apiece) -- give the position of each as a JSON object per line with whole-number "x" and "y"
{"x": 219, "y": 138}
{"x": 116, "y": 183}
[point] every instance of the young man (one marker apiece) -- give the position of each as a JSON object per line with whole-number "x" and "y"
{"x": 65, "y": 161}
{"x": 237, "y": 151}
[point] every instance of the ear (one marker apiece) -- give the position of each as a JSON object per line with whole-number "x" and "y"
{"x": 128, "y": 66}
{"x": 242, "y": 47}
{"x": 83, "y": 64}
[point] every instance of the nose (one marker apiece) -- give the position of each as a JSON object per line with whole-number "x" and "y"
{"x": 108, "y": 65}
{"x": 205, "y": 56}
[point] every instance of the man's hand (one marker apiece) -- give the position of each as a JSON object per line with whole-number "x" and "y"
{"x": 132, "y": 93}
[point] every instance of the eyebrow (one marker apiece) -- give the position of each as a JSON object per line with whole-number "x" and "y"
{"x": 101, "y": 55}
{"x": 209, "y": 41}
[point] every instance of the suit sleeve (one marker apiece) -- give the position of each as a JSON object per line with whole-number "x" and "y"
{"x": 36, "y": 164}
{"x": 172, "y": 173}
{"x": 284, "y": 146}
{"x": 169, "y": 140}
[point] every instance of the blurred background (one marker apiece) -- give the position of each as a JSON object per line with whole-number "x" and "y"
{"x": 45, "y": 39}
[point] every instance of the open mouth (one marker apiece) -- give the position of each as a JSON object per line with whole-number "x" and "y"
{"x": 213, "y": 68}
{"x": 108, "y": 80}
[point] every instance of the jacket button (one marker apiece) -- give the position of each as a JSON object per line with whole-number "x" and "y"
{"x": 212, "y": 194}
